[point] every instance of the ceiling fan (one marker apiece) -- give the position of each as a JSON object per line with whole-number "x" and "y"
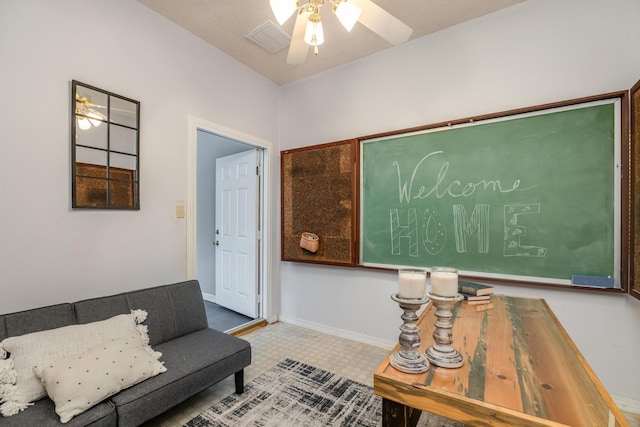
{"x": 89, "y": 114}
{"x": 308, "y": 31}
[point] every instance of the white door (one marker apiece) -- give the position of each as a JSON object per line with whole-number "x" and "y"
{"x": 237, "y": 232}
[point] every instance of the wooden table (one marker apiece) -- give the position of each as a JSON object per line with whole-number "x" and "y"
{"x": 521, "y": 369}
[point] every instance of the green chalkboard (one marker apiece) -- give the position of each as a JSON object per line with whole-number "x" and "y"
{"x": 532, "y": 196}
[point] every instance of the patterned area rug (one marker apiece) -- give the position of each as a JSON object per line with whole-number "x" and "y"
{"x": 294, "y": 394}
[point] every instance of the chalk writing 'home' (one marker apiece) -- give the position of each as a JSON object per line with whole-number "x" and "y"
{"x": 441, "y": 187}
{"x": 433, "y": 232}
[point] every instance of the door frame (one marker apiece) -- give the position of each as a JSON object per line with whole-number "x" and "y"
{"x": 265, "y": 285}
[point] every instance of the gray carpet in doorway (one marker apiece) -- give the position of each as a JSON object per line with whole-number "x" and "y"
{"x": 222, "y": 319}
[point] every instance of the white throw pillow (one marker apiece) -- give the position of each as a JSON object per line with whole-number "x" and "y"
{"x": 76, "y": 383}
{"x": 19, "y": 386}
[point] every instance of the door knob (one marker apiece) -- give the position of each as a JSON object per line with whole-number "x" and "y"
{"x": 216, "y": 243}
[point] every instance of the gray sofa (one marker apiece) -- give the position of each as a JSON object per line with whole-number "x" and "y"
{"x": 195, "y": 356}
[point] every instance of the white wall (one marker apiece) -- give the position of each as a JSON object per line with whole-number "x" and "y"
{"x": 50, "y": 253}
{"x": 532, "y": 53}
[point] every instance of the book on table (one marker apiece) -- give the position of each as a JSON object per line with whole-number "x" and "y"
{"x": 474, "y": 288}
{"x": 479, "y": 301}
{"x": 468, "y": 297}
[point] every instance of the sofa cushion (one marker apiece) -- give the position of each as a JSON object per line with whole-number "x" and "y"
{"x": 194, "y": 362}
{"x": 188, "y": 307}
{"x": 95, "y": 309}
{"x": 38, "y": 348}
{"x": 174, "y": 310}
{"x": 42, "y": 414}
{"x": 3, "y": 329}
{"x": 38, "y": 319}
{"x": 161, "y": 320}
{"x": 76, "y": 383}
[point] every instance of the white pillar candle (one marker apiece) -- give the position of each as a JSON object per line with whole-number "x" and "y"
{"x": 413, "y": 283}
{"x": 444, "y": 281}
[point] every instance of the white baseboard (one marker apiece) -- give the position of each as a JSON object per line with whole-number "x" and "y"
{"x": 273, "y": 319}
{"x": 366, "y": 339}
{"x": 627, "y": 404}
{"x": 209, "y": 297}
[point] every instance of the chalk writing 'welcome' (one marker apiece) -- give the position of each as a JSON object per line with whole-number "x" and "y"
{"x": 454, "y": 188}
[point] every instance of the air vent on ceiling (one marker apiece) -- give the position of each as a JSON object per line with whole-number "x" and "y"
{"x": 270, "y": 37}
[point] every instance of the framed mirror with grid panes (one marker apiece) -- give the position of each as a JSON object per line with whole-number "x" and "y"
{"x": 105, "y": 142}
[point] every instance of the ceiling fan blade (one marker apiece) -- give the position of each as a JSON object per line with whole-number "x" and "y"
{"x": 298, "y": 49}
{"x": 382, "y": 22}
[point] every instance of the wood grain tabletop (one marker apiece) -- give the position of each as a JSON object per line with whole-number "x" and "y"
{"x": 521, "y": 369}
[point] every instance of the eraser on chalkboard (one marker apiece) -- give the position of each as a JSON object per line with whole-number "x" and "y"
{"x": 602, "y": 282}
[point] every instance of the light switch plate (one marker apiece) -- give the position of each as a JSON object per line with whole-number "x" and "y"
{"x": 179, "y": 210}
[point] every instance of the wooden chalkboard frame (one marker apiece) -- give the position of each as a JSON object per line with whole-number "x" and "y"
{"x": 634, "y": 136}
{"x": 319, "y": 187}
{"x": 625, "y": 184}
{"x": 629, "y": 198}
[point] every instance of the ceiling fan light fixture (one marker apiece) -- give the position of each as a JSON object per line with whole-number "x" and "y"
{"x": 84, "y": 123}
{"x": 308, "y": 30}
{"x": 283, "y": 9}
{"x": 348, "y": 14}
{"x": 314, "y": 34}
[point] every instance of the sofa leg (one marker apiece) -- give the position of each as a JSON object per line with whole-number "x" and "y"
{"x": 239, "y": 381}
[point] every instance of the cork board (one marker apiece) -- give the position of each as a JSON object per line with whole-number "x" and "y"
{"x": 635, "y": 143}
{"x": 319, "y": 196}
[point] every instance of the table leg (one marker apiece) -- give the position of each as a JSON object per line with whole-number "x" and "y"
{"x": 395, "y": 414}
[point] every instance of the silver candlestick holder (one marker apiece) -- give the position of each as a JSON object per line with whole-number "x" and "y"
{"x": 442, "y": 353}
{"x": 408, "y": 358}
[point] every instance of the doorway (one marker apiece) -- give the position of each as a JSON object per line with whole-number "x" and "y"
{"x": 208, "y": 142}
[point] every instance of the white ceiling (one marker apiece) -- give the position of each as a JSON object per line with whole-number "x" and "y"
{"x": 224, "y": 23}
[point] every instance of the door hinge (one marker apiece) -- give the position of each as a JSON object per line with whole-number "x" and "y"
{"x": 258, "y": 170}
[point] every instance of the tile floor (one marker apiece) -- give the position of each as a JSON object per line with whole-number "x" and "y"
{"x": 271, "y": 344}
{"x": 278, "y": 341}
